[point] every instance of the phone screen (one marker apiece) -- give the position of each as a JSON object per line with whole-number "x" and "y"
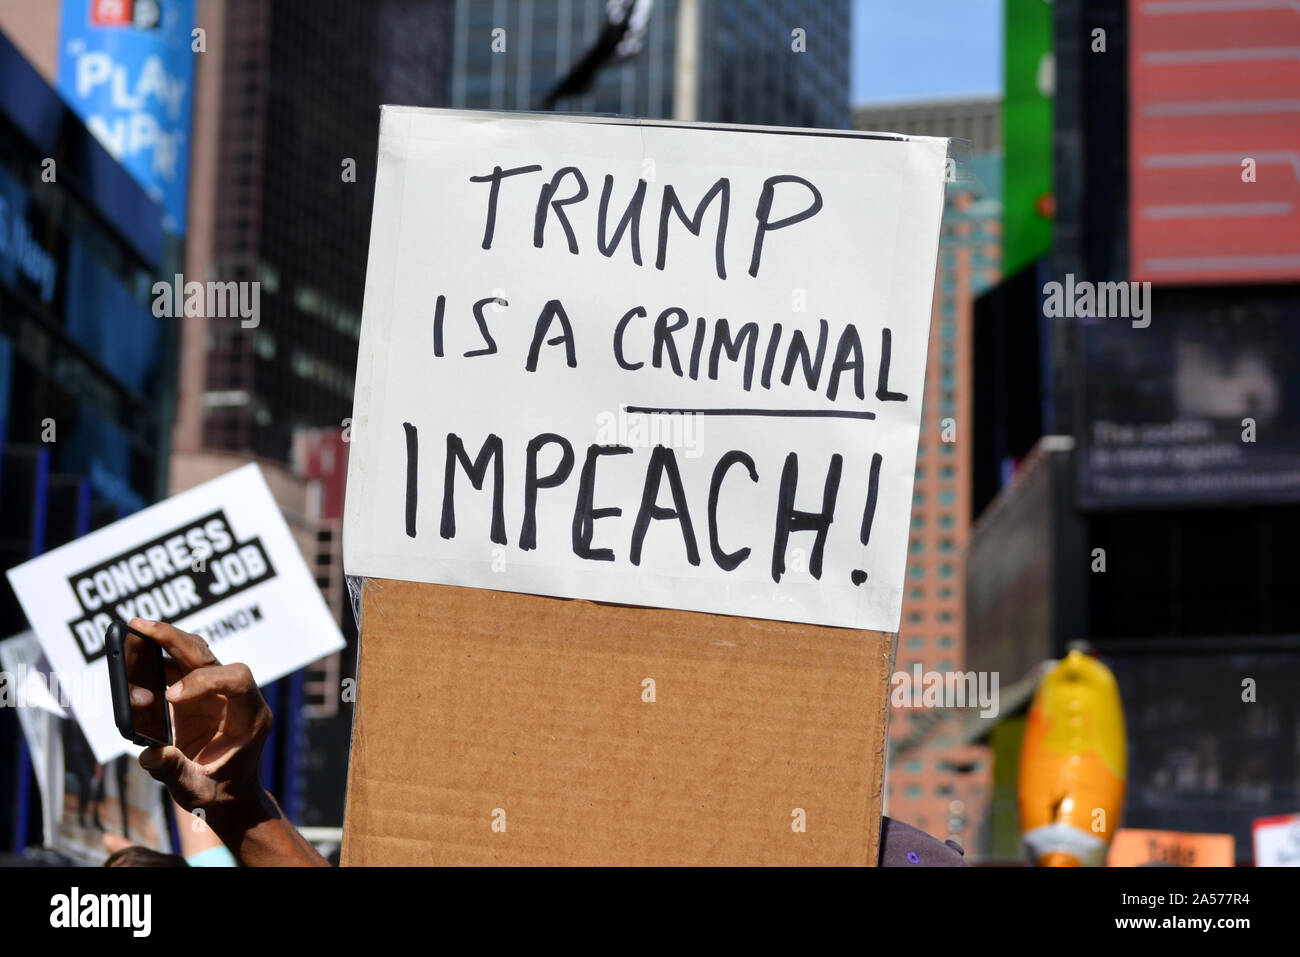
{"x": 147, "y": 684}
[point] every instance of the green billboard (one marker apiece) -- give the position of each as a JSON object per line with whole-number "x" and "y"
{"x": 1029, "y": 84}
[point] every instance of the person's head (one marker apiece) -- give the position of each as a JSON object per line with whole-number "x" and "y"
{"x": 136, "y": 856}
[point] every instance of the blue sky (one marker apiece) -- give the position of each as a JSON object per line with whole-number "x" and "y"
{"x": 912, "y": 49}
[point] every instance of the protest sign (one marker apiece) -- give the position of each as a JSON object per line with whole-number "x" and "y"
{"x": 80, "y": 799}
{"x": 1275, "y": 841}
{"x": 1134, "y": 847}
{"x": 672, "y": 366}
{"x": 217, "y": 560}
{"x": 636, "y": 362}
{"x": 25, "y": 685}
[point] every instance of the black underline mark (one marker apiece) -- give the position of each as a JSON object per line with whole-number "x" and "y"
{"x": 785, "y": 413}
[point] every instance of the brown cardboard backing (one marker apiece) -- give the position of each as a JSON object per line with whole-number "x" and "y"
{"x": 499, "y": 728}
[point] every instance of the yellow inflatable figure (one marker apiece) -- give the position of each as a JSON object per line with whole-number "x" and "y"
{"x": 1072, "y": 766}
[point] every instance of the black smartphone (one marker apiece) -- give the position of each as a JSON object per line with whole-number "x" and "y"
{"x": 138, "y": 682}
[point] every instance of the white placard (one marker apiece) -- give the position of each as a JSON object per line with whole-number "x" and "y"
{"x": 645, "y": 406}
{"x": 1276, "y": 841}
{"x": 217, "y": 560}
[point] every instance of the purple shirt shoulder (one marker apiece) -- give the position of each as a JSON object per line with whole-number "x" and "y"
{"x": 902, "y": 845}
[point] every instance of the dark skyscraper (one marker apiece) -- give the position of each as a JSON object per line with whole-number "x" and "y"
{"x": 292, "y": 156}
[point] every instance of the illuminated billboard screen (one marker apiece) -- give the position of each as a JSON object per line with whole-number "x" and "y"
{"x": 1200, "y": 408}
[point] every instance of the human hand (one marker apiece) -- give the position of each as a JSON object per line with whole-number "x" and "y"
{"x": 220, "y": 723}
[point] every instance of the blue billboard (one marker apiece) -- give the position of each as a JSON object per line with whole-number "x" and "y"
{"x": 127, "y": 68}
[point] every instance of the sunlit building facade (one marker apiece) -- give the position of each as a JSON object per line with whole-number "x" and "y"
{"x": 936, "y": 781}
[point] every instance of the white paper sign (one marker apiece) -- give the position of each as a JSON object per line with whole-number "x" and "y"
{"x": 1276, "y": 841}
{"x": 25, "y": 686}
{"x": 656, "y": 364}
{"x": 217, "y": 560}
